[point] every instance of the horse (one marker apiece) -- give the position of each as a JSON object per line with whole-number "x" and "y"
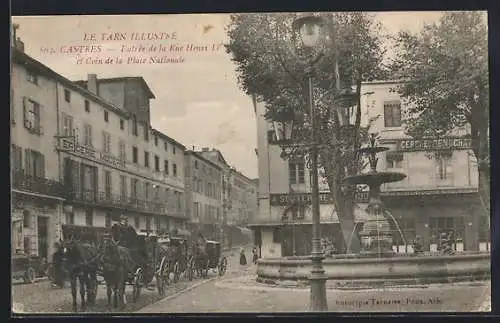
{"x": 80, "y": 261}
{"x": 116, "y": 264}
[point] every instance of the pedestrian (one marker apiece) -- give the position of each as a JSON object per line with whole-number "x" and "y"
{"x": 57, "y": 265}
{"x": 243, "y": 258}
{"x": 255, "y": 255}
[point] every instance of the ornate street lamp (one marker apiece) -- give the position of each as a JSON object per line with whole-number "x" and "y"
{"x": 344, "y": 101}
{"x": 283, "y": 123}
{"x": 309, "y": 29}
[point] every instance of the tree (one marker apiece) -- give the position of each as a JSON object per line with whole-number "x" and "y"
{"x": 445, "y": 68}
{"x": 269, "y": 68}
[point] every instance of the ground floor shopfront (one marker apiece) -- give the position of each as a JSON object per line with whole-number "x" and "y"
{"x": 99, "y": 216}
{"x": 34, "y": 223}
{"x": 425, "y": 216}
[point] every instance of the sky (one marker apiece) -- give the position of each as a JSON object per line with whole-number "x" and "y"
{"x": 198, "y": 102}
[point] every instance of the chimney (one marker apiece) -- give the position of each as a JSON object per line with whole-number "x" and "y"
{"x": 92, "y": 83}
{"x": 205, "y": 149}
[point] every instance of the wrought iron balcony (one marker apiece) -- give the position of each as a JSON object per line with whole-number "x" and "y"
{"x": 35, "y": 184}
{"x": 106, "y": 199}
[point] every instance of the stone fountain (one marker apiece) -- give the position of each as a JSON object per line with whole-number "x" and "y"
{"x": 377, "y": 265}
{"x": 376, "y": 236}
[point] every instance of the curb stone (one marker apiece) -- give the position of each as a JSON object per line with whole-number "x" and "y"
{"x": 185, "y": 290}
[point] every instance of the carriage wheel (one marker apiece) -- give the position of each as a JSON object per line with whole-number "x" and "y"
{"x": 176, "y": 272}
{"x": 137, "y": 282}
{"x": 29, "y": 275}
{"x": 222, "y": 266}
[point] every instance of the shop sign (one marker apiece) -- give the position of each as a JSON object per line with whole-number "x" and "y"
{"x": 306, "y": 198}
{"x": 89, "y": 152}
{"x": 434, "y": 144}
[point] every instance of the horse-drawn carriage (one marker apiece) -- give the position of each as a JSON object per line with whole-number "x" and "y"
{"x": 176, "y": 259}
{"x": 119, "y": 254}
{"x": 209, "y": 256}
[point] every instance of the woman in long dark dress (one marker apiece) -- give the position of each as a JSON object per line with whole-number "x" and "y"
{"x": 57, "y": 265}
{"x": 243, "y": 258}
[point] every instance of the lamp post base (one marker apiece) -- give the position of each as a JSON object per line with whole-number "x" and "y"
{"x": 317, "y": 283}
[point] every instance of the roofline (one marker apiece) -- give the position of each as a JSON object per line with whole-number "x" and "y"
{"x": 234, "y": 170}
{"x": 198, "y": 155}
{"x": 125, "y": 78}
{"x": 215, "y": 150}
{"x": 19, "y": 57}
{"x": 164, "y": 136}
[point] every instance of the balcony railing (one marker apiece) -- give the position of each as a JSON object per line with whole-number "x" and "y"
{"x": 107, "y": 199}
{"x": 34, "y": 184}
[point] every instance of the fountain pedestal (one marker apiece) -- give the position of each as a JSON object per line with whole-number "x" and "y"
{"x": 376, "y": 234}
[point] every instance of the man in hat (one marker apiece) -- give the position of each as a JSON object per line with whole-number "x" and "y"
{"x": 123, "y": 232}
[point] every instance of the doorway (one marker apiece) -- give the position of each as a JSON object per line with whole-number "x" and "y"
{"x": 43, "y": 235}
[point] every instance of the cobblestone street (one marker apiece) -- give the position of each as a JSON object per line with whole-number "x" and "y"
{"x": 243, "y": 294}
{"x": 40, "y": 297}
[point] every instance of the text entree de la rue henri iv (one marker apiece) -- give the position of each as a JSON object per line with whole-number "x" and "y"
{"x": 152, "y": 51}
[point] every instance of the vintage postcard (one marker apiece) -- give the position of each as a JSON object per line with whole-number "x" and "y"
{"x": 298, "y": 162}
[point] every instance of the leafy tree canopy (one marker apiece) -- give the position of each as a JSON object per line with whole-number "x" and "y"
{"x": 271, "y": 67}
{"x": 445, "y": 67}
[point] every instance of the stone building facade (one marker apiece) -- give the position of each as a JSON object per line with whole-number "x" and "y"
{"x": 439, "y": 192}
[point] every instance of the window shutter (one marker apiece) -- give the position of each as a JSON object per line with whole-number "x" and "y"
{"x": 41, "y": 163}
{"x": 28, "y": 162}
{"x": 16, "y": 158}
{"x": 90, "y": 136}
{"x": 38, "y": 119}
{"x": 25, "y": 112}
{"x": 104, "y": 141}
{"x": 67, "y": 172}
{"x": 397, "y": 114}
{"x": 81, "y": 179}
{"x": 387, "y": 115}
{"x": 95, "y": 178}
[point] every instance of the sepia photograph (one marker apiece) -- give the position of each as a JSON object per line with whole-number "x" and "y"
{"x": 250, "y": 162}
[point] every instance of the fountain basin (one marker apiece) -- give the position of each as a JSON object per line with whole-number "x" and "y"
{"x": 357, "y": 271}
{"x": 374, "y": 179}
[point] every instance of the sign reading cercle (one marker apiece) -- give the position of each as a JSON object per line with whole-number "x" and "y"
{"x": 434, "y": 144}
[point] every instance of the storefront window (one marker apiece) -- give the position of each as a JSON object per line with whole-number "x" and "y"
{"x": 446, "y": 224}
{"x": 484, "y": 229}
{"x": 276, "y": 235}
